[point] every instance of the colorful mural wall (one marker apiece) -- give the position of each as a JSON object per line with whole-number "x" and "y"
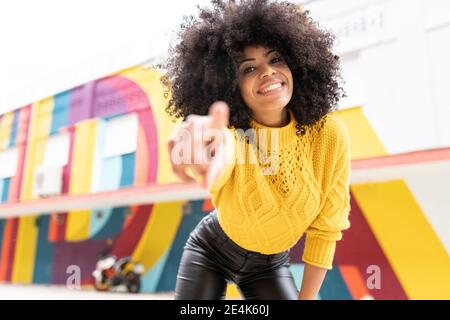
{"x": 38, "y": 249}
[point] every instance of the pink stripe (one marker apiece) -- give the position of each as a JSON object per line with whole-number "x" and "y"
{"x": 403, "y": 158}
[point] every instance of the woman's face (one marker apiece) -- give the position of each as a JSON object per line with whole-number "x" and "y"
{"x": 265, "y": 80}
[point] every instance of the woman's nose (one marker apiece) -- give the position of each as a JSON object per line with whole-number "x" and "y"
{"x": 267, "y": 71}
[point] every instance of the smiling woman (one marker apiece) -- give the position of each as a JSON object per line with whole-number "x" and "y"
{"x": 266, "y": 68}
{"x": 266, "y": 85}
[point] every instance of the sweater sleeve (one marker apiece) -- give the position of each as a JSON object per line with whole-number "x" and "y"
{"x": 230, "y": 162}
{"x": 326, "y": 229}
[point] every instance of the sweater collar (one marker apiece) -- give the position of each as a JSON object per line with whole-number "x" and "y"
{"x": 286, "y": 133}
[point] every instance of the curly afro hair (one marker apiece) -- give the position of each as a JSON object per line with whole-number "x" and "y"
{"x": 202, "y": 67}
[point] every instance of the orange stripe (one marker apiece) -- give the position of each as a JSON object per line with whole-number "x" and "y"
{"x": 207, "y": 205}
{"x": 142, "y": 159}
{"x": 7, "y": 246}
{"x": 354, "y": 281}
{"x": 53, "y": 228}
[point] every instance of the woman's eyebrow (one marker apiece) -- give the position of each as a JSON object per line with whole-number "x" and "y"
{"x": 251, "y": 59}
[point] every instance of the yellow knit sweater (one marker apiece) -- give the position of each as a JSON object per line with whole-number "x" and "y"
{"x": 300, "y": 186}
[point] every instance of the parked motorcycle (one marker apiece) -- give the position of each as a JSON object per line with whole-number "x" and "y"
{"x": 112, "y": 273}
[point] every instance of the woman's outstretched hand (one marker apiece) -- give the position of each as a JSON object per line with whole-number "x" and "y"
{"x": 200, "y": 143}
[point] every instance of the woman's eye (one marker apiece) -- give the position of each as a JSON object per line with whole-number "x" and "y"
{"x": 249, "y": 69}
{"x": 277, "y": 59}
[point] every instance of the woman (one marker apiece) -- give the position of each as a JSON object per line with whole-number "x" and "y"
{"x": 257, "y": 80}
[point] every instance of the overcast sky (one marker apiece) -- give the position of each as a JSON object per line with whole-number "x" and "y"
{"x": 48, "y": 46}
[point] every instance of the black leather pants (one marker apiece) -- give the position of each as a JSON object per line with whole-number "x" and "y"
{"x": 210, "y": 259}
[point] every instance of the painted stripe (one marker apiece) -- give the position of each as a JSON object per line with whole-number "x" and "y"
{"x": 136, "y": 96}
{"x": 15, "y": 125}
{"x": 408, "y": 240}
{"x": 44, "y": 253}
{"x": 8, "y": 252}
{"x": 60, "y": 111}
{"x": 6, "y": 123}
{"x": 360, "y": 248}
{"x": 5, "y": 189}
{"x": 232, "y": 292}
{"x": 401, "y": 159}
{"x": 354, "y": 281}
{"x": 99, "y": 217}
{"x": 81, "y": 102}
{"x": 142, "y": 163}
{"x": 188, "y": 223}
{"x": 334, "y": 287}
{"x": 2, "y": 233}
{"x": 2, "y": 183}
{"x": 151, "y": 278}
{"x": 431, "y": 199}
{"x": 97, "y": 164}
{"x": 159, "y": 233}
{"x": 77, "y": 228}
{"x": 25, "y": 250}
{"x": 25, "y": 247}
{"x": 127, "y": 174}
{"x": 21, "y": 145}
{"x": 297, "y": 270}
{"x": 128, "y": 239}
{"x": 364, "y": 141}
{"x": 59, "y": 224}
{"x": 207, "y": 205}
{"x": 112, "y": 224}
{"x": 148, "y": 79}
{"x": 151, "y": 193}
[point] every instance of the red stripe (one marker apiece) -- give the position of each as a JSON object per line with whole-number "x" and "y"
{"x": 8, "y": 249}
{"x": 360, "y": 248}
{"x": 128, "y": 239}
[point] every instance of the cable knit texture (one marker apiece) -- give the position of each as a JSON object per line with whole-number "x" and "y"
{"x": 297, "y": 186}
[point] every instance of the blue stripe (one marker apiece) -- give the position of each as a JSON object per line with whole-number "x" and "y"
{"x": 127, "y": 176}
{"x": 189, "y": 222}
{"x": 150, "y": 278}
{"x": 60, "y": 116}
{"x": 5, "y": 191}
{"x": 15, "y": 125}
{"x": 1, "y": 191}
{"x": 42, "y": 272}
{"x": 111, "y": 225}
{"x": 334, "y": 287}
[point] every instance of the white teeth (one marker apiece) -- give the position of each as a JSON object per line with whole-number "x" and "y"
{"x": 271, "y": 87}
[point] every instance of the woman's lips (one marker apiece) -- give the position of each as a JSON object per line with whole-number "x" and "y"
{"x": 274, "y": 88}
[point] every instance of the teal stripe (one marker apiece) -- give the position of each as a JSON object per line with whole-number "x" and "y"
{"x": 15, "y": 125}
{"x": 189, "y": 221}
{"x": 99, "y": 217}
{"x": 127, "y": 176}
{"x": 1, "y": 190}
{"x": 42, "y": 272}
{"x": 5, "y": 190}
{"x": 334, "y": 287}
{"x": 151, "y": 278}
{"x": 60, "y": 114}
{"x": 111, "y": 225}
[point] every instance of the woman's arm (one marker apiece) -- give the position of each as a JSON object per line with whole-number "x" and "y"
{"x": 312, "y": 281}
